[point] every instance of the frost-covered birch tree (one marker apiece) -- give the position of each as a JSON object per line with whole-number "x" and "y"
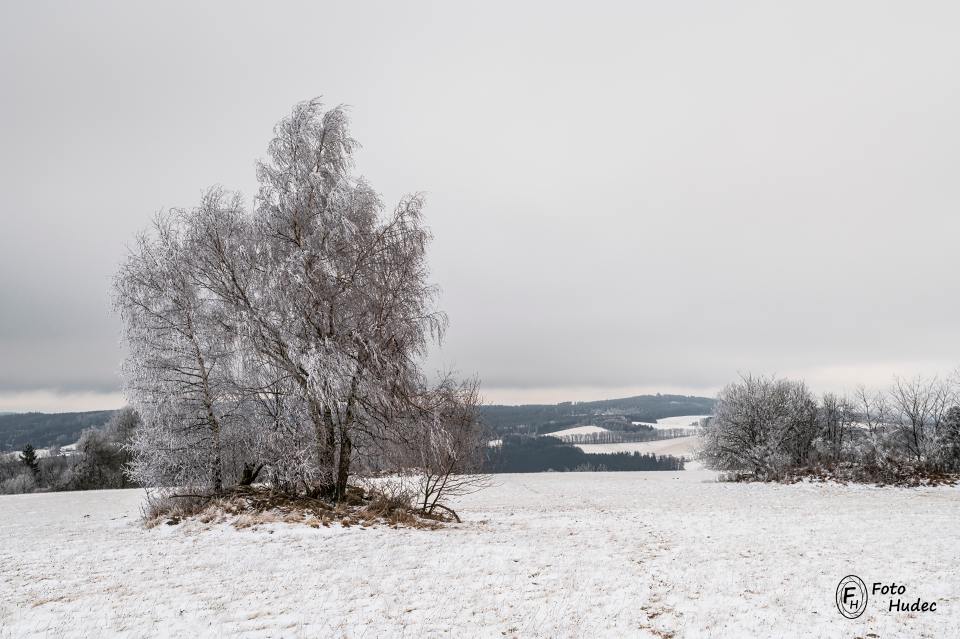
{"x": 302, "y": 320}
{"x": 177, "y": 367}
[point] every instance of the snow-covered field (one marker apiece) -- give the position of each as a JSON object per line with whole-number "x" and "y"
{"x": 577, "y": 430}
{"x": 70, "y": 449}
{"x": 676, "y": 446}
{"x": 541, "y": 555}
{"x": 684, "y": 421}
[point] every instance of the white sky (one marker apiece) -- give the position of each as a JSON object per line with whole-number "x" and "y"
{"x": 626, "y": 197}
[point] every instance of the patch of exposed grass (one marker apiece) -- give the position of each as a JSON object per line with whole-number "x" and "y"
{"x": 248, "y": 507}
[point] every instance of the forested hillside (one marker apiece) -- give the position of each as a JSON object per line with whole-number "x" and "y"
{"x": 541, "y": 418}
{"x": 526, "y": 454}
{"x": 47, "y": 429}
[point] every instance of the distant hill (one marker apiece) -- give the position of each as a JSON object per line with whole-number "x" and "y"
{"x": 47, "y": 429}
{"x": 540, "y": 418}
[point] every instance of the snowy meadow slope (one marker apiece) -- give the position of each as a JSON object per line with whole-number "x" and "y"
{"x": 687, "y": 447}
{"x": 676, "y": 446}
{"x": 655, "y": 554}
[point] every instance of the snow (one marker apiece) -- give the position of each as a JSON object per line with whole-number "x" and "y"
{"x": 538, "y": 555}
{"x": 684, "y": 421}
{"x": 69, "y": 449}
{"x": 577, "y": 430}
{"x": 676, "y": 446}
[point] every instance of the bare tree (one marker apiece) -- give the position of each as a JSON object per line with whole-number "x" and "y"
{"x": 872, "y": 410}
{"x": 798, "y": 426}
{"x": 837, "y": 419}
{"x": 450, "y": 446}
{"x": 951, "y": 439}
{"x": 920, "y": 406}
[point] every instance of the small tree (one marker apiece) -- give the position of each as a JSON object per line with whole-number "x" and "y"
{"x": 835, "y": 421}
{"x": 22, "y": 483}
{"x": 450, "y": 446}
{"x": 29, "y": 459}
{"x": 951, "y": 439}
{"x": 872, "y": 409}
{"x": 104, "y": 454}
{"x": 920, "y": 408}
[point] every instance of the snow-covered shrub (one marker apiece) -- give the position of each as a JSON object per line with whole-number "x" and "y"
{"x": 760, "y": 426}
{"x": 103, "y": 454}
{"x": 768, "y": 427}
{"x": 950, "y": 440}
{"x": 25, "y": 482}
{"x": 919, "y": 409}
{"x": 449, "y": 446}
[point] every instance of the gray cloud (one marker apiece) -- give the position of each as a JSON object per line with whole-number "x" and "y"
{"x": 623, "y": 196}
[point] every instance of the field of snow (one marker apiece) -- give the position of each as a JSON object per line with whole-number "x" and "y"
{"x": 69, "y": 449}
{"x": 677, "y": 446}
{"x": 577, "y": 430}
{"x": 684, "y": 421}
{"x": 541, "y": 555}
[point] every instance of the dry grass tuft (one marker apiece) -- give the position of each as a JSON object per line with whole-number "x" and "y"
{"x": 171, "y": 509}
{"x": 249, "y": 507}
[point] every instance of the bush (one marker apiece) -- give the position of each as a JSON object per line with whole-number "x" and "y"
{"x": 767, "y": 428}
{"x": 104, "y": 457}
{"x": 22, "y": 483}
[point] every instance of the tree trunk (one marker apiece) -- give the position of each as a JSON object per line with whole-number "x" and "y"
{"x": 346, "y": 445}
{"x": 326, "y": 443}
{"x": 217, "y": 474}
{"x": 216, "y": 464}
{"x": 343, "y": 468}
{"x": 250, "y": 474}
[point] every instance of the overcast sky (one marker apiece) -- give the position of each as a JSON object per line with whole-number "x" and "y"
{"x": 626, "y": 197}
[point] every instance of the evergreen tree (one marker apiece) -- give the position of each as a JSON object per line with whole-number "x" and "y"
{"x": 29, "y": 459}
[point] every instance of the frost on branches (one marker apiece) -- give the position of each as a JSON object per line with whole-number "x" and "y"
{"x": 775, "y": 428}
{"x": 282, "y": 344}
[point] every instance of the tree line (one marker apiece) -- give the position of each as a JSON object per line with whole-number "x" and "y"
{"x": 99, "y": 460}
{"x": 646, "y": 434}
{"x": 544, "y": 418}
{"x": 536, "y": 454}
{"x": 47, "y": 429}
{"x": 771, "y": 428}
